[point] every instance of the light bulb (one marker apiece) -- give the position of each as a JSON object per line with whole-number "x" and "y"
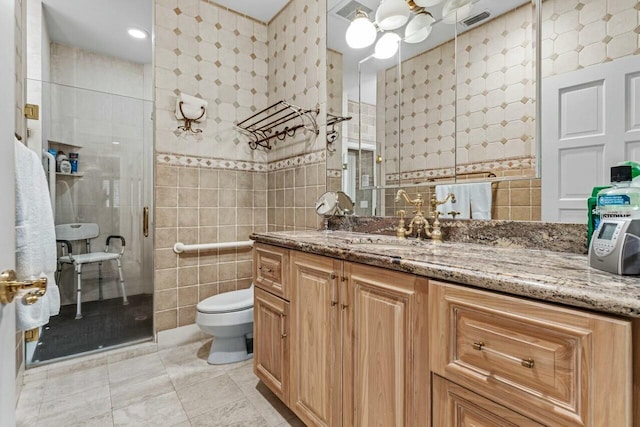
{"x": 419, "y": 28}
{"x": 392, "y": 14}
{"x": 456, "y": 10}
{"x": 427, "y": 3}
{"x": 361, "y": 32}
{"x": 387, "y": 46}
{"x": 137, "y": 33}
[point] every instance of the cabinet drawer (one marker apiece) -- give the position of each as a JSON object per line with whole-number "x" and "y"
{"x": 271, "y": 269}
{"x": 455, "y": 406}
{"x": 547, "y": 362}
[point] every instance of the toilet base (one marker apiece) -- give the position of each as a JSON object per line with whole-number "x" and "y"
{"x": 228, "y": 350}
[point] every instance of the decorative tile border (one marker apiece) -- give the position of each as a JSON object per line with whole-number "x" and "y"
{"x": 173, "y": 159}
{"x": 516, "y": 163}
{"x": 208, "y": 162}
{"x": 301, "y": 160}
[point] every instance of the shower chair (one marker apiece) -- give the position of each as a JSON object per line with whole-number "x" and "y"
{"x": 68, "y": 233}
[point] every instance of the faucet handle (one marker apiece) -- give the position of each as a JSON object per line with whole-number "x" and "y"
{"x": 454, "y": 214}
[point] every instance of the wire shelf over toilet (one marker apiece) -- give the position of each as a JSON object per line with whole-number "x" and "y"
{"x": 276, "y": 122}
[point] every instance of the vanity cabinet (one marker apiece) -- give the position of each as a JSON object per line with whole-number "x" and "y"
{"x": 354, "y": 332}
{"x": 271, "y": 326}
{"x": 456, "y": 406}
{"x": 559, "y": 366}
{"x": 271, "y": 342}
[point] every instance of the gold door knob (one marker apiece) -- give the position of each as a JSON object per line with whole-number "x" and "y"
{"x": 9, "y": 287}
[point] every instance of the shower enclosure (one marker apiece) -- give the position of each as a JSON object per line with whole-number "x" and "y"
{"x": 108, "y": 137}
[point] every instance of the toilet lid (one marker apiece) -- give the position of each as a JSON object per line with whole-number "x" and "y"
{"x": 227, "y": 302}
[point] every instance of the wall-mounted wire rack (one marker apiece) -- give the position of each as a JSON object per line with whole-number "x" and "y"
{"x": 278, "y": 121}
{"x": 332, "y": 121}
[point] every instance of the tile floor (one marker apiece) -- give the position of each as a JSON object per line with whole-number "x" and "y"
{"x": 146, "y": 386}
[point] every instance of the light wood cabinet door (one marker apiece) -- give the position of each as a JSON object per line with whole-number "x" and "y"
{"x": 271, "y": 342}
{"x": 455, "y": 406}
{"x": 379, "y": 317}
{"x": 562, "y": 367}
{"x": 315, "y": 340}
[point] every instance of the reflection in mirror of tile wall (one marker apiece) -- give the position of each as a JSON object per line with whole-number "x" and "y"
{"x": 487, "y": 125}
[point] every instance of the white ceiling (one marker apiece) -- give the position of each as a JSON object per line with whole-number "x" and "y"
{"x": 262, "y": 10}
{"x": 101, "y": 26}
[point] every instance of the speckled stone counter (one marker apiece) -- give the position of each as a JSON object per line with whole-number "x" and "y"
{"x": 558, "y": 277}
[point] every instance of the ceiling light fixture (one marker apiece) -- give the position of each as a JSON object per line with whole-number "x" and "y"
{"x": 137, "y": 33}
{"x": 393, "y": 14}
{"x": 361, "y": 32}
{"x": 387, "y": 46}
{"x": 419, "y": 28}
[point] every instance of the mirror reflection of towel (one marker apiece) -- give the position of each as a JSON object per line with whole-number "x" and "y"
{"x": 481, "y": 200}
{"x": 462, "y": 201}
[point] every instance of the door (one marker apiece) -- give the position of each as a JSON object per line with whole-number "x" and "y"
{"x": 7, "y": 213}
{"x": 315, "y": 340}
{"x": 378, "y": 347}
{"x": 590, "y": 122}
{"x": 271, "y": 342}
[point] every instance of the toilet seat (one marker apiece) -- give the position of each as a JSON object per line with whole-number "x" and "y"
{"x": 227, "y": 302}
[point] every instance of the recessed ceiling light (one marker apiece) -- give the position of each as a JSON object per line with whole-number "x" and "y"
{"x": 137, "y": 33}
{"x": 115, "y": 142}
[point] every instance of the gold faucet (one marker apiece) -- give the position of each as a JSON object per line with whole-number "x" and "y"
{"x": 436, "y": 234}
{"x": 419, "y": 223}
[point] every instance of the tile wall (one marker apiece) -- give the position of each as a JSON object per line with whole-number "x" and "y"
{"x": 480, "y": 119}
{"x": 517, "y": 200}
{"x": 335, "y": 107}
{"x": 580, "y": 33}
{"x": 203, "y": 205}
{"x": 213, "y": 187}
{"x": 298, "y": 73}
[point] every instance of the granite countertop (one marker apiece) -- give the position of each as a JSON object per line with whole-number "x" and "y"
{"x": 559, "y": 277}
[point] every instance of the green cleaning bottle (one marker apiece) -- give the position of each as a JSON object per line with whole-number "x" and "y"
{"x": 622, "y": 200}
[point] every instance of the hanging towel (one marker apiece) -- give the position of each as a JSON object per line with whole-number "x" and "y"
{"x": 192, "y": 107}
{"x": 481, "y": 200}
{"x": 35, "y": 238}
{"x": 462, "y": 201}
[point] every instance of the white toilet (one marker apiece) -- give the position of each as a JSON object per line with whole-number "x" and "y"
{"x": 229, "y": 318}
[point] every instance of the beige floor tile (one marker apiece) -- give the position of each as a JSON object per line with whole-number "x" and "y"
{"x": 127, "y": 393}
{"x": 187, "y": 365}
{"x": 75, "y": 382}
{"x": 136, "y": 369}
{"x": 268, "y": 405}
{"x": 163, "y": 410}
{"x": 75, "y": 408}
{"x": 132, "y": 352}
{"x": 72, "y": 366}
{"x": 208, "y": 395}
{"x": 104, "y": 420}
{"x": 239, "y": 414}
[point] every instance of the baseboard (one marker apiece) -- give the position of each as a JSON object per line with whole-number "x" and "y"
{"x": 179, "y": 336}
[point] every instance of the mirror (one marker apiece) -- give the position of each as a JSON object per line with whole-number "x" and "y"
{"x": 457, "y": 106}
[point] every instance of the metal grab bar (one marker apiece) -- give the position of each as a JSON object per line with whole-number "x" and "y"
{"x": 181, "y": 247}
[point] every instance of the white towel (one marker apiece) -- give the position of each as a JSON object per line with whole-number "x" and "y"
{"x": 481, "y": 200}
{"x": 191, "y": 107}
{"x": 35, "y": 238}
{"x": 462, "y": 201}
